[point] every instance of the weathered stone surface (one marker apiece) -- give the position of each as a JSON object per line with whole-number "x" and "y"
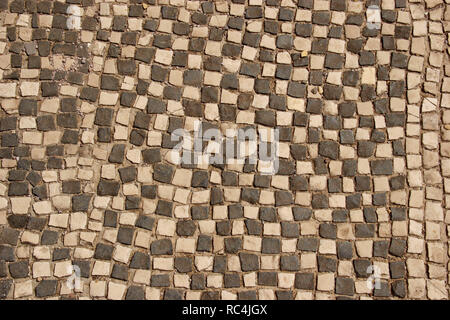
{"x": 120, "y": 151}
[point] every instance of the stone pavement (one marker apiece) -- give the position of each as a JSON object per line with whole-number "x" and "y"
{"x": 99, "y": 198}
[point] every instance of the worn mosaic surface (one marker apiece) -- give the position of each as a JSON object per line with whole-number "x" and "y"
{"x": 95, "y": 203}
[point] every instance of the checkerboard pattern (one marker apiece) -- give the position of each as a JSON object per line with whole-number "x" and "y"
{"x": 96, "y": 204}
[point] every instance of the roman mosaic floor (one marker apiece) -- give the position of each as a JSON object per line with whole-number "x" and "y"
{"x": 132, "y": 137}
